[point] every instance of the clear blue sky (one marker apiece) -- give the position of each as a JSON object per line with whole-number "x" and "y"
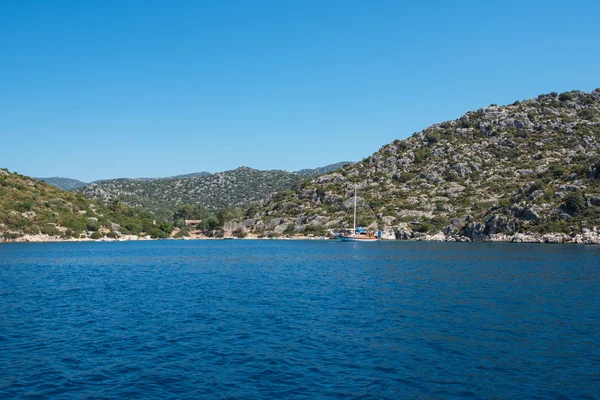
{"x": 104, "y": 89}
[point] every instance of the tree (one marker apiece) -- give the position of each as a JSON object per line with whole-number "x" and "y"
{"x": 190, "y": 211}
{"x": 211, "y": 222}
{"x": 229, "y": 214}
{"x": 115, "y": 206}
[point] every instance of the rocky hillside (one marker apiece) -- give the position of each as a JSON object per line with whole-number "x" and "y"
{"x": 161, "y": 197}
{"x": 39, "y": 211}
{"x": 529, "y": 171}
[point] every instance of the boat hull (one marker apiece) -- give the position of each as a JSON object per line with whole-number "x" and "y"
{"x": 357, "y": 239}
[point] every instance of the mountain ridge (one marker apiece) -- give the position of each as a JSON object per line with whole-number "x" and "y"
{"x": 71, "y": 184}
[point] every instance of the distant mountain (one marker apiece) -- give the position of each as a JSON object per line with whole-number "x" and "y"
{"x": 161, "y": 197}
{"x": 63, "y": 183}
{"x": 192, "y": 175}
{"x": 323, "y": 170}
{"x": 185, "y": 176}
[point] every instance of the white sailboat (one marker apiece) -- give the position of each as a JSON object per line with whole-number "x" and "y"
{"x": 357, "y": 235}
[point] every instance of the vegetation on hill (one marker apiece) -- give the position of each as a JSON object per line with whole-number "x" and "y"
{"x": 529, "y": 167}
{"x": 236, "y": 188}
{"x": 31, "y": 207}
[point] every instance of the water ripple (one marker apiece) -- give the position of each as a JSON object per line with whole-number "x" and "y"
{"x": 266, "y": 319}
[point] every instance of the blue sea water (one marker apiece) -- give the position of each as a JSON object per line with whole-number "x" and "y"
{"x": 299, "y": 319}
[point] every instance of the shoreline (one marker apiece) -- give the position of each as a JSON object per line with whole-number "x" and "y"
{"x": 588, "y": 237}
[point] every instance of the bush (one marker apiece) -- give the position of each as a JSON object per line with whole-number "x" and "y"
{"x": 424, "y": 227}
{"x": 557, "y": 171}
{"x": 574, "y": 202}
{"x": 587, "y": 113}
{"x": 421, "y": 155}
{"x": 24, "y": 206}
{"x": 537, "y": 185}
{"x": 92, "y": 225}
{"x": 565, "y": 96}
{"x": 49, "y": 230}
{"x": 403, "y": 177}
{"x": 211, "y": 222}
{"x": 96, "y": 235}
{"x": 155, "y": 232}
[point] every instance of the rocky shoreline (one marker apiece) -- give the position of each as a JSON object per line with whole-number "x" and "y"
{"x": 587, "y": 236}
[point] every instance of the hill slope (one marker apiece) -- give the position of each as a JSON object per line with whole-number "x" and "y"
{"x": 493, "y": 174}
{"x": 34, "y": 208}
{"x": 161, "y": 197}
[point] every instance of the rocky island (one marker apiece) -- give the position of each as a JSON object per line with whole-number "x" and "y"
{"x": 524, "y": 172}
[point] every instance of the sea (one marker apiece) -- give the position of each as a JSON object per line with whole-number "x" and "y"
{"x": 274, "y": 319}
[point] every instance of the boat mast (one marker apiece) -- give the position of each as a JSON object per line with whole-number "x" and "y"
{"x": 354, "y": 231}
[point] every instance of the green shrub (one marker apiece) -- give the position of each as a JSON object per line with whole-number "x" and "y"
{"x": 421, "y": 155}
{"x": 587, "y": 114}
{"x": 49, "y": 230}
{"x": 574, "y": 202}
{"x": 24, "y": 206}
{"x": 424, "y": 227}
{"x": 535, "y": 186}
{"x": 96, "y": 235}
{"x": 565, "y": 96}
{"x": 403, "y": 177}
{"x": 557, "y": 171}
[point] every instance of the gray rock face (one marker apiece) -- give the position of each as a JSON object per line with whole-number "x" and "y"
{"x": 530, "y": 214}
{"x": 388, "y": 233}
{"x": 462, "y": 169}
{"x": 475, "y": 231}
{"x": 595, "y": 201}
{"x": 274, "y": 222}
{"x": 498, "y": 224}
{"x": 319, "y": 220}
{"x": 233, "y": 226}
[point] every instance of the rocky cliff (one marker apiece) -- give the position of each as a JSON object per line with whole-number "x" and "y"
{"x": 529, "y": 171}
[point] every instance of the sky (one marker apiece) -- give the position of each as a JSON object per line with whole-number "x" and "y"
{"x": 141, "y": 88}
